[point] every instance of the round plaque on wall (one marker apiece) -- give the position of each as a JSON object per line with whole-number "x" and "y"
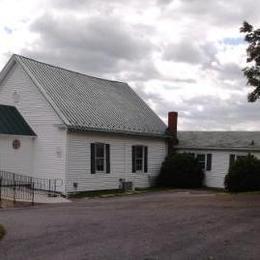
{"x": 16, "y": 144}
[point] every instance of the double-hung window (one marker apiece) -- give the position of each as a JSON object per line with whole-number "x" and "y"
{"x": 202, "y": 160}
{"x": 234, "y": 157}
{"x": 100, "y": 158}
{"x": 139, "y": 158}
{"x": 205, "y": 161}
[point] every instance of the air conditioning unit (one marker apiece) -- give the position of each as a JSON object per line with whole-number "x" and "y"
{"x": 126, "y": 185}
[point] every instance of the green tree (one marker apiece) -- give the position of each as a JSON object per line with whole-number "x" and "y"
{"x": 252, "y": 72}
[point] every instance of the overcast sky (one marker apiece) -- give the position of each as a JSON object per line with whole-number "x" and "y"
{"x": 179, "y": 55}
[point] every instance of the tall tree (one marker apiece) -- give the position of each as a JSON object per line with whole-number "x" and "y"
{"x": 252, "y": 72}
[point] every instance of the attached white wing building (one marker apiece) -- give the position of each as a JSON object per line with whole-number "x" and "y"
{"x": 216, "y": 151}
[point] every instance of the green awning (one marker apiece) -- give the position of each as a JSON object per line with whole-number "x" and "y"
{"x": 13, "y": 123}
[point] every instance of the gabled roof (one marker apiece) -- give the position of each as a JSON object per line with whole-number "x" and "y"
{"x": 12, "y": 122}
{"x": 228, "y": 140}
{"x": 88, "y": 103}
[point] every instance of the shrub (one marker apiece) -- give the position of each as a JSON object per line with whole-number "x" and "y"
{"x": 180, "y": 170}
{"x": 244, "y": 175}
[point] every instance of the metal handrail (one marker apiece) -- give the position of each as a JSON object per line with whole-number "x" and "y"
{"x": 16, "y": 186}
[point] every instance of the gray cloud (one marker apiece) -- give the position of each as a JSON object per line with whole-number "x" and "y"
{"x": 220, "y": 12}
{"x": 230, "y": 71}
{"x": 79, "y": 4}
{"x": 210, "y": 113}
{"x": 93, "y": 45}
{"x": 190, "y": 52}
{"x": 110, "y": 37}
{"x": 102, "y": 43}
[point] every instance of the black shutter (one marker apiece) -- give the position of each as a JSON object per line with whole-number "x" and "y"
{"x": 209, "y": 162}
{"x": 92, "y": 158}
{"x": 231, "y": 159}
{"x": 107, "y": 158}
{"x": 145, "y": 159}
{"x": 133, "y": 159}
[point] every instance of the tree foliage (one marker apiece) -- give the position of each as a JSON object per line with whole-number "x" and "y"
{"x": 244, "y": 175}
{"x": 252, "y": 72}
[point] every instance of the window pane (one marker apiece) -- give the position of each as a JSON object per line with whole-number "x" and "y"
{"x": 139, "y": 152}
{"x": 100, "y": 150}
{"x": 201, "y": 159}
{"x": 100, "y": 164}
{"x": 139, "y": 164}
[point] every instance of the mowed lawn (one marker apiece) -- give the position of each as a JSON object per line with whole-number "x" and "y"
{"x": 155, "y": 225}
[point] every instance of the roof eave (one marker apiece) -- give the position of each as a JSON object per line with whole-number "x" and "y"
{"x": 256, "y": 149}
{"x": 80, "y": 129}
{"x": 13, "y": 134}
{"x": 7, "y": 68}
{"x": 35, "y": 81}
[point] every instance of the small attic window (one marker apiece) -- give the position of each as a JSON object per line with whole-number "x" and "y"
{"x": 16, "y": 97}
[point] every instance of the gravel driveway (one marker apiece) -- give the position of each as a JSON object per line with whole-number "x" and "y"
{"x": 158, "y": 225}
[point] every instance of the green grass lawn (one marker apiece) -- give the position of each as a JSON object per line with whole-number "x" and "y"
{"x": 2, "y": 231}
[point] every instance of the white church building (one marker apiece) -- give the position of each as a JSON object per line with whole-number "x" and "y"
{"x": 92, "y": 133}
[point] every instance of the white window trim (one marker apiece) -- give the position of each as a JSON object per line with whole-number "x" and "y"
{"x": 206, "y": 160}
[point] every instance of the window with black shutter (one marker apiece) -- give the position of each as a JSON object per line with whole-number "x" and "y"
{"x": 205, "y": 161}
{"x": 202, "y": 161}
{"x": 100, "y": 158}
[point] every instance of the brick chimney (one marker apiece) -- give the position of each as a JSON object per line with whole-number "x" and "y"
{"x": 172, "y": 131}
{"x": 172, "y": 123}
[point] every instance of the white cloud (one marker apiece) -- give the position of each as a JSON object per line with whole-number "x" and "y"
{"x": 177, "y": 54}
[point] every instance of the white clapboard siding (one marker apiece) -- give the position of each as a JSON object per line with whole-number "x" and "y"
{"x": 50, "y": 144}
{"x": 16, "y": 160}
{"x": 78, "y": 164}
{"x": 220, "y": 165}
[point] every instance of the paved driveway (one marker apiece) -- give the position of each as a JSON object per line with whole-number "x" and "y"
{"x": 160, "y": 225}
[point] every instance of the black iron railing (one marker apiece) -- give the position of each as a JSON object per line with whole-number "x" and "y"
{"x": 18, "y": 187}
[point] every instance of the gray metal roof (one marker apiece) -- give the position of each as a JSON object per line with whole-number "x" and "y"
{"x": 219, "y": 140}
{"x": 12, "y": 122}
{"x": 88, "y": 103}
